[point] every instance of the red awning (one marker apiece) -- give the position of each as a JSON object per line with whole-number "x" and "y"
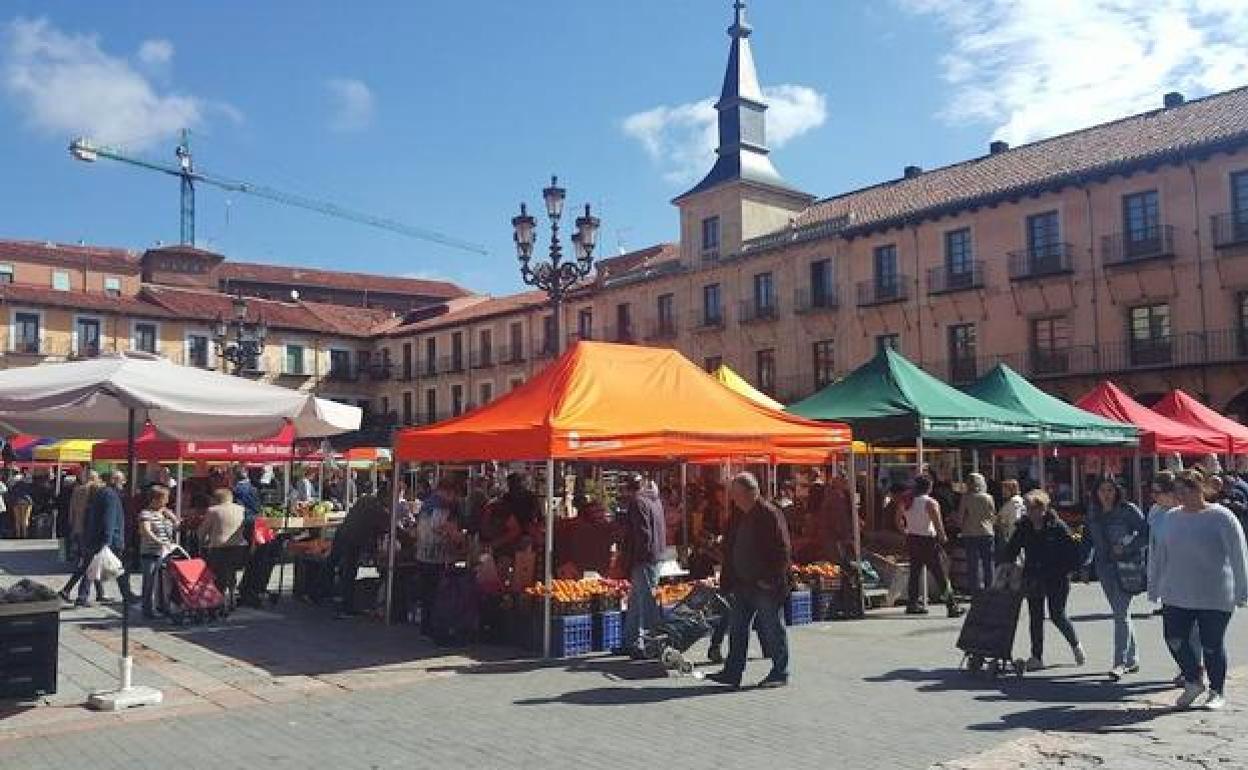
{"x": 148, "y": 447}
{"x": 1158, "y": 434}
{"x": 1180, "y": 407}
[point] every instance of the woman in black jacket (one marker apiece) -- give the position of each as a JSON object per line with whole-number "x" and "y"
{"x": 1050, "y": 554}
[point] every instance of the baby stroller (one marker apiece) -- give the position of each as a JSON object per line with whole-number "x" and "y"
{"x": 188, "y": 589}
{"x": 987, "y": 636}
{"x": 689, "y": 622}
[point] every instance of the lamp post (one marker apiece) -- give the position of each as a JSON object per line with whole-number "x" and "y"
{"x": 555, "y": 276}
{"x": 239, "y": 341}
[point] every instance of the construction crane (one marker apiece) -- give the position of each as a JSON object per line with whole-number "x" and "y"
{"x": 88, "y": 151}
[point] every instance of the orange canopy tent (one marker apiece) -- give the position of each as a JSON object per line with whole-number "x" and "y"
{"x": 602, "y": 401}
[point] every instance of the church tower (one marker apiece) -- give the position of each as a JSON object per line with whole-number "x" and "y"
{"x": 743, "y": 196}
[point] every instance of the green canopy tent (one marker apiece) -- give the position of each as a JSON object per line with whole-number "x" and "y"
{"x": 1061, "y": 424}
{"x": 891, "y": 402}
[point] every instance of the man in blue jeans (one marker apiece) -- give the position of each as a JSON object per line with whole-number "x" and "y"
{"x": 757, "y": 556}
{"x": 645, "y": 541}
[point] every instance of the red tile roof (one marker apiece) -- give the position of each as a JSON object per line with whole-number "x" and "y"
{"x": 78, "y": 300}
{"x": 100, "y": 258}
{"x": 637, "y": 260}
{"x": 485, "y": 308}
{"x": 314, "y": 317}
{"x": 1201, "y": 125}
{"x": 333, "y": 279}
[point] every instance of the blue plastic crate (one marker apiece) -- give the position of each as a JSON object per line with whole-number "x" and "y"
{"x": 799, "y": 610}
{"x": 571, "y": 635}
{"x": 608, "y": 630}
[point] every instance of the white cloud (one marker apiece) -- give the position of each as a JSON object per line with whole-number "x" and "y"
{"x": 352, "y": 103}
{"x": 156, "y": 52}
{"x": 681, "y": 139}
{"x": 1035, "y": 68}
{"x": 65, "y": 84}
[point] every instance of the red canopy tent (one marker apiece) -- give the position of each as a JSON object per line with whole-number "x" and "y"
{"x": 151, "y": 448}
{"x": 1158, "y": 434}
{"x": 1181, "y": 407}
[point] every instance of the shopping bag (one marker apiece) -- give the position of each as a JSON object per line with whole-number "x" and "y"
{"x": 104, "y": 565}
{"x": 488, "y": 580}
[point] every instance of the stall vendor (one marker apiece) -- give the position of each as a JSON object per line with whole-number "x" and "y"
{"x": 367, "y": 521}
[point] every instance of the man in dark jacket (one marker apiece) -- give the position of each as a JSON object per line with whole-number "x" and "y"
{"x": 246, "y": 495}
{"x": 105, "y": 526}
{"x": 757, "y": 556}
{"x": 645, "y": 541}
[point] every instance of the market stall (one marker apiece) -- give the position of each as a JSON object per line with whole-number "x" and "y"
{"x": 738, "y": 384}
{"x": 64, "y": 452}
{"x": 602, "y": 402}
{"x": 113, "y": 396}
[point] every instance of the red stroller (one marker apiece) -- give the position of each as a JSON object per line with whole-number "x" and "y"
{"x": 189, "y": 590}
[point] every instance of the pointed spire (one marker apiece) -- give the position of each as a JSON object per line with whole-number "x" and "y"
{"x": 742, "y": 151}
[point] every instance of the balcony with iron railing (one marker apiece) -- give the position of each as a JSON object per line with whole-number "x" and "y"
{"x": 452, "y": 364}
{"x": 544, "y": 349}
{"x": 1137, "y": 246}
{"x": 707, "y": 319}
{"x": 945, "y": 280}
{"x": 1229, "y": 229}
{"x": 483, "y": 358}
{"x": 661, "y": 330}
{"x": 380, "y": 371}
{"x": 1041, "y": 261}
{"x": 754, "y": 312}
{"x": 812, "y": 300}
{"x": 343, "y": 373}
{"x": 624, "y": 334}
{"x": 882, "y": 292}
{"x": 511, "y": 354}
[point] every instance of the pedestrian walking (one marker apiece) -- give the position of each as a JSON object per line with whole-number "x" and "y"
{"x": 645, "y": 542}
{"x": 1199, "y": 573}
{"x": 977, "y": 512}
{"x": 757, "y": 557}
{"x": 1119, "y": 554}
{"x": 1050, "y": 553}
{"x": 105, "y": 526}
{"x": 923, "y": 523}
{"x": 1165, "y": 500}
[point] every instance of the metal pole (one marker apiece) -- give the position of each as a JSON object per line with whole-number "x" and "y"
{"x": 281, "y": 562}
{"x": 131, "y": 463}
{"x": 852, "y": 487}
{"x": 177, "y": 500}
{"x": 1138, "y": 482}
{"x": 548, "y": 597}
{"x": 918, "y": 456}
{"x": 975, "y": 460}
{"x": 684, "y": 503}
{"x": 394, "y": 519}
{"x": 1040, "y": 465}
{"x": 992, "y": 459}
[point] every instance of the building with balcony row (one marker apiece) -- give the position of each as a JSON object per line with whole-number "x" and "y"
{"x": 1120, "y": 250}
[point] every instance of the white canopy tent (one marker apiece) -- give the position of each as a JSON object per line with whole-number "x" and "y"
{"x": 112, "y": 396}
{"x": 93, "y": 399}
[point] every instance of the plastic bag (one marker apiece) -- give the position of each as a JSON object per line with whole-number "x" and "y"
{"x": 104, "y": 565}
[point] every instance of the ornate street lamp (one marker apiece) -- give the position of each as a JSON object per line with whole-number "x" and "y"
{"x": 555, "y": 276}
{"x": 239, "y": 341}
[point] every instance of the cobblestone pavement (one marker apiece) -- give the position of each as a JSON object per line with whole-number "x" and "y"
{"x": 293, "y": 688}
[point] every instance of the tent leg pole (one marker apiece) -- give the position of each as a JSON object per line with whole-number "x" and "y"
{"x": 1040, "y": 465}
{"x": 394, "y": 518}
{"x": 177, "y": 500}
{"x": 1136, "y": 480}
{"x": 131, "y": 465}
{"x": 548, "y": 597}
{"x": 684, "y": 504}
{"x": 918, "y": 455}
{"x": 975, "y": 460}
{"x": 992, "y": 459}
{"x": 855, "y": 527}
{"x": 957, "y": 460}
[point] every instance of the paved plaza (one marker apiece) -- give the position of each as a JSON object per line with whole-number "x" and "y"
{"x": 291, "y": 687}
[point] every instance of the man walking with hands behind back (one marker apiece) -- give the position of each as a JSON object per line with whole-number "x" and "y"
{"x": 757, "y": 555}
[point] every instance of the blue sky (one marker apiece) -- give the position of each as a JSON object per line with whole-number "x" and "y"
{"x": 446, "y": 115}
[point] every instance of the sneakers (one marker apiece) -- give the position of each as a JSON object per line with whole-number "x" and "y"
{"x": 955, "y": 611}
{"x": 715, "y": 655}
{"x": 773, "y": 682}
{"x": 1191, "y": 691}
{"x": 726, "y": 679}
{"x": 1215, "y": 702}
{"x": 85, "y": 603}
{"x": 1080, "y": 656}
{"x": 916, "y": 609}
{"x": 1034, "y": 664}
{"x": 1119, "y": 671}
{"x": 1180, "y": 682}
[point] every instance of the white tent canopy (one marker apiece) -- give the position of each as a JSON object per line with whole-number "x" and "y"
{"x": 93, "y": 399}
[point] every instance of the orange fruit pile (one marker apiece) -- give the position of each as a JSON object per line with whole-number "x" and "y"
{"x": 823, "y": 569}
{"x": 673, "y": 593}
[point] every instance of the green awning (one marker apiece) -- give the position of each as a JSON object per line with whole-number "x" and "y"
{"x": 889, "y": 400}
{"x": 1061, "y": 423}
